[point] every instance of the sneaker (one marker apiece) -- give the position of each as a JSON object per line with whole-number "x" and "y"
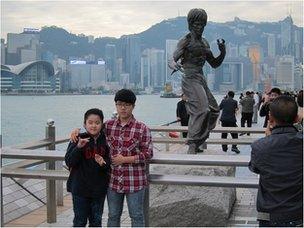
{"x": 236, "y": 150}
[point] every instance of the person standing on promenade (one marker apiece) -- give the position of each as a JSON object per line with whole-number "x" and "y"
{"x": 193, "y": 51}
{"x": 131, "y": 148}
{"x": 181, "y": 113}
{"x": 264, "y": 111}
{"x": 229, "y": 107}
{"x": 89, "y": 164}
{"x": 247, "y": 104}
{"x": 278, "y": 159}
{"x": 256, "y": 107}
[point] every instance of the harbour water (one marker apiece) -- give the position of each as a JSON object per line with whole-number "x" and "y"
{"x": 24, "y": 117}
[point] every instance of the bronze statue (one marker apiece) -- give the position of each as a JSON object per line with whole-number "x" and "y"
{"x": 192, "y": 51}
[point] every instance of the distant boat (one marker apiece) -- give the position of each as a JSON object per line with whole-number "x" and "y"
{"x": 169, "y": 95}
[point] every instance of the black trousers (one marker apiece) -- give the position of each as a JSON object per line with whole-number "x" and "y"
{"x": 233, "y": 135}
{"x": 184, "y": 122}
{"x": 246, "y": 117}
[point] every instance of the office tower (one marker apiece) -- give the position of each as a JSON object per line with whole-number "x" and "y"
{"x": 157, "y": 67}
{"x": 131, "y": 58}
{"x": 170, "y": 48}
{"x": 110, "y": 58}
{"x": 145, "y": 73}
{"x": 284, "y": 75}
{"x": 271, "y": 45}
{"x": 287, "y": 36}
{"x": 23, "y": 47}
{"x": 3, "y": 48}
{"x": 254, "y": 53}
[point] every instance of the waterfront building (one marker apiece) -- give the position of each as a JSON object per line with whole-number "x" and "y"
{"x": 85, "y": 75}
{"x": 287, "y": 36}
{"x": 131, "y": 55}
{"x": 271, "y": 45}
{"x": 110, "y": 58}
{"x": 31, "y": 77}
{"x": 157, "y": 67}
{"x": 23, "y": 47}
{"x": 3, "y": 51}
{"x": 145, "y": 69}
{"x": 234, "y": 74}
{"x": 284, "y": 72}
{"x": 170, "y": 48}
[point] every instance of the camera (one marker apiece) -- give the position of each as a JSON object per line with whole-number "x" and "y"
{"x": 84, "y": 135}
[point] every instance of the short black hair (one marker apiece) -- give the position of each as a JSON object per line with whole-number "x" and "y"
{"x": 275, "y": 90}
{"x": 248, "y": 93}
{"x": 231, "y": 94}
{"x": 284, "y": 109}
{"x": 93, "y": 111}
{"x": 125, "y": 95}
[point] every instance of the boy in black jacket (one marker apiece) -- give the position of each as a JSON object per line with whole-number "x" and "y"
{"x": 89, "y": 162}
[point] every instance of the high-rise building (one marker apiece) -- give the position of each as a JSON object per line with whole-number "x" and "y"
{"x": 287, "y": 36}
{"x": 23, "y": 47}
{"x": 170, "y": 48}
{"x": 157, "y": 67}
{"x": 233, "y": 74}
{"x": 145, "y": 69}
{"x": 298, "y": 77}
{"x": 3, "y": 51}
{"x": 271, "y": 44}
{"x": 284, "y": 75}
{"x": 131, "y": 58}
{"x": 87, "y": 75}
{"x": 110, "y": 57}
{"x": 298, "y": 45}
{"x": 254, "y": 53}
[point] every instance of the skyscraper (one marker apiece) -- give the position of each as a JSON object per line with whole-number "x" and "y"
{"x": 287, "y": 36}
{"x": 271, "y": 44}
{"x": 23, "y": 47}
{"x": 157, "y": 67}
{"x": 170, "y": 48}
{"x": 131, "y": 58}
{"x": 110, "y": 57}
{"x": 145, "y": 69}
{"x": 284, "y": 75}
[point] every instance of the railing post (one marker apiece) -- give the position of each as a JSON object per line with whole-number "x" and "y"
{"x": 1, "y": 191}
{"x": 147, "y": 198}
{"x": 50, "y": 184}
{"x": 167, "y": 144}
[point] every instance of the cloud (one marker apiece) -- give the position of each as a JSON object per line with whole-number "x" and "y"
{"x": 115, "y": 18}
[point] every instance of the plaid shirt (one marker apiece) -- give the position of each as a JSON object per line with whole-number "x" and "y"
{"x": 132, "y": 139}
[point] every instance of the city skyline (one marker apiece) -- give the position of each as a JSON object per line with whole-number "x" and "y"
{"x": 109, "y": 18}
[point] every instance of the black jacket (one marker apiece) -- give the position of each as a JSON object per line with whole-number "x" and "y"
{"x": 264, "y": 111}
{"x": 278, "y": 159}
{"x": 87, "y": 178}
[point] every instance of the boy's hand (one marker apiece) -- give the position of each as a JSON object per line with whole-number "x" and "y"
{"x": 82, "y": 142}
{"x": 118, "y": 159}
{"x": 99, "y": 159}
{"x": 74, "y": 135}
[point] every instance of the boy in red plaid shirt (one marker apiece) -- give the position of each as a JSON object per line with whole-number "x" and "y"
{"x": 131, "y": 147}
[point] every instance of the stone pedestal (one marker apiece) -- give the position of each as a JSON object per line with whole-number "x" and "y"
{"x": 175, "y": 206}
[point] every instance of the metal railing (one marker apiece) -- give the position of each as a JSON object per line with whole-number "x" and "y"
{"x": 54, "y": 173}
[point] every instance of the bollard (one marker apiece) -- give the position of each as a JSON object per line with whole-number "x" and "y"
{"x": 147, "y": 198}
{"x": 50, "y": 184}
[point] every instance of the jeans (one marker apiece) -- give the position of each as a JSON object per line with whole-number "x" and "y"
{"x": 294, "y": 223}
{"x": 87, "y": 208}
{"x": 135, "y": 202}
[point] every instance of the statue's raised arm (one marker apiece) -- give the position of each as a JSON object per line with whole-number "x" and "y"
{"x": 189, "y": 57}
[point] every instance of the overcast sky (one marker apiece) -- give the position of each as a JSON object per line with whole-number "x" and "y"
{"x": 116, "y": 18}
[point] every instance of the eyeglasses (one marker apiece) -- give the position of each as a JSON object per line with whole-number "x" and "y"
{"x": 125, "y": 105}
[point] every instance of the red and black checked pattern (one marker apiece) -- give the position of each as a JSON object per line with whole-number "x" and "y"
{"x": 132, "y": 139}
